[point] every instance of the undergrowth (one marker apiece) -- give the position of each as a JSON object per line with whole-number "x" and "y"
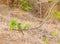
{"x": 14, "y": 23}
{"x": 25, "y": 5}
{"x": 56, "y": 14}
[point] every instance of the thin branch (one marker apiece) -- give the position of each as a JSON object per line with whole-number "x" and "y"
{"x": 47, "y": 16}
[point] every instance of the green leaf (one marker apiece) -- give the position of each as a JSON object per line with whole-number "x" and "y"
{"x": 56, "y": 14}
{"x": 54, "y": 33}
{"x": 12, "y": 27}
{"x": 14, "y": 5}
{"x": 59, "y": 3}
{"x": 13, "y": 22}
{"x": 20, "y": 0}
{"x": 26, "y": 26}
{"x": 46, "y": 40}
{"x": 19, "y": 26}
{"x": 49, "y": 1}
{"x": 58, "y": 17}
{"x": 26, "y": 6}
{"x": 58, "y": 40}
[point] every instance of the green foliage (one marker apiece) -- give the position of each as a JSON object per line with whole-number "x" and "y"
{"x": 56, "y": 14}
{"x": 14, "y": 21}
{"x": 26, "y": 6}
{"x": 21, "y": 1}
{"x": 46, "y": 40}
{"x": 26, "y": 26}
{"x": 54, "y": 33}
{"x": 58, "y": 40}
{"x": 12, "y": 24}
{"x": 12, "y": 27}
{"x": 19, "y": 26}
{"x": 58, "y": 17}
{"x": 59, "y": 3}
{"x": 49, "y": 1}
{"x": 14, "y": 5}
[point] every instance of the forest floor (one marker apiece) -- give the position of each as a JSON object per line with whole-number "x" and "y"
{"x": 34, "y": 36}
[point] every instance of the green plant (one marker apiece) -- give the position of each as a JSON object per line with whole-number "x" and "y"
{"x": 12, "y": 27}
{"x": 19, "y": 26}
{"x": 54, "y": 33}
{"x": 21, "y": 1}
{"x": 59, "y": 3}
{"x": 12, "y": 24}
{"x": 26, "y": 26}
{"x": 58, "y": 40}
{"x": 14, "y": 5}
{"x": 56, "y": 14}
{"x": 49, "y": 1}
{"x": 46, "y": 40}
{"x": 25, "y": 6}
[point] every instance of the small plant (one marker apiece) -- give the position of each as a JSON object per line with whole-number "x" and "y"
{"x": 49, "y": 1}
{"x": 14, "y": 5}
{"x": 46, "y": 40}
{"x": 21, "y": 1}
{"x": 14, "y": 24}
{"x": 26, "y": 26}
{"x": 25, "y": 6}
{"x": 54, "y": 33}
{"x": 12, "y": 27}
{"x": 19, "y": 26}
{"x": 56, "y": 14}
{"x": 58, "y": 40}
{"x": 59, "y": 3}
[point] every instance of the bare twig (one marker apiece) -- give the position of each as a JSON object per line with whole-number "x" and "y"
{"x": 47, "y": 16}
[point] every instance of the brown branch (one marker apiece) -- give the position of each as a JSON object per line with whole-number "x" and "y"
{"x": 47, "y": 16}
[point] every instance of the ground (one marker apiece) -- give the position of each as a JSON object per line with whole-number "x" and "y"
{"x": 33, "y": 36}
